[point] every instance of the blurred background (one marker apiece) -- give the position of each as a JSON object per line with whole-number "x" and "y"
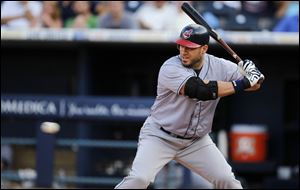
{"x": 78, "y": 79}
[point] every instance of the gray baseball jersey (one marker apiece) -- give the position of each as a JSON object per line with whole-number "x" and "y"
{"x": 180, "y": 114}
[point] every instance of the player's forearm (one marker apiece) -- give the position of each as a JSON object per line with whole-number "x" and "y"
{"x": 225, "y": 89}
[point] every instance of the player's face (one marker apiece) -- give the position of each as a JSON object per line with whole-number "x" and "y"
{"x": 192, "y": 57}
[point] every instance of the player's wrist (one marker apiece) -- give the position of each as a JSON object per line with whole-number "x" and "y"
{"x": 241, "y": 85}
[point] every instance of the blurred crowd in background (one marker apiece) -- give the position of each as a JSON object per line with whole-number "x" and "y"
{"x": 151, "y": 15}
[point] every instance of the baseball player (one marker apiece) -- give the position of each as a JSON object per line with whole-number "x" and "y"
{"x": 190, "y": 86}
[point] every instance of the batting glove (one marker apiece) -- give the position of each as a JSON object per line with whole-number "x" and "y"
{"x": 254, "y": 75}
{"x": 247, "y": 65}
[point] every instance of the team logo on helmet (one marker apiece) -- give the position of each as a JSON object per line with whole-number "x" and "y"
{"x": 187, "y": 33}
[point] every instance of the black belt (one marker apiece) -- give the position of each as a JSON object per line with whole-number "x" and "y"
{"x": 174, "y": 135}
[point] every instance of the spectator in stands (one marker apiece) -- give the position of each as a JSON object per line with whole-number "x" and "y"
{"x": 101, "y": 8}
{"x": 93, "y": 7}
{"x": 245, "y": 15}
{"x": 263, "y": 13}
{"x": 290, "y": 21}
{"x": 133, "y": 6}
{"x": 217, "y": 13}
{"x": 288, "y": 24}
{"x": 66, "y": 10}
{"x": 259, "y": 8}
{"x": 50, "y": 17}
{"x": 20, "y": 14}
{"x": 84, "y": 17}
{"x": 116, "y": 17}
{"x": 156, "y": 15}
{"x": 181, "y": 19}
{"x": 292, "y": 8}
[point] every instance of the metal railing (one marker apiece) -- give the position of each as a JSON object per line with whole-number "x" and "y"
{"x": 75, "y": 142}
{"x": 19, "y": 175}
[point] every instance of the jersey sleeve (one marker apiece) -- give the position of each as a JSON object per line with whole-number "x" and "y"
{"x": 173, "y": 77}
{"x": 232, "y": 71}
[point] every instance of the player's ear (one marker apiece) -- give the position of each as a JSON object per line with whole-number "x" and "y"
{"x": 204, "y": 48}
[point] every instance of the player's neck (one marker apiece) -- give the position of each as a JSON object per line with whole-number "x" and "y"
{"x": 199, "y": 64}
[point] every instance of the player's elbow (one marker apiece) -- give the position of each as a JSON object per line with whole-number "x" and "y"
{"x": 197, "y": 88}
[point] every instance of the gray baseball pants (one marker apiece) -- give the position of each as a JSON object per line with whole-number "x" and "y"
{"x": 156, "y": 148}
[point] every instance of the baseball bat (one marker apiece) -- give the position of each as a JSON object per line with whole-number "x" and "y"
{"x": 198, "y": 19}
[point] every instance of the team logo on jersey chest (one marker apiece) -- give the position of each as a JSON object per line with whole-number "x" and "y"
{"x": 187, "y": 33}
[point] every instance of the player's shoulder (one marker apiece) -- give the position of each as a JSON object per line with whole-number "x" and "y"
{"x": 174, "y": 61}
{"x": 173, "y": 65}
{"x": 218, "y": 61}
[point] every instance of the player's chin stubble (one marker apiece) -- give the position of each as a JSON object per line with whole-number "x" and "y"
{"x": 194, "y": 63}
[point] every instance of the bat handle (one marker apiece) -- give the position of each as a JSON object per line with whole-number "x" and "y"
{"x": 236, "y": 57}
{"x": 229, "y": 50}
